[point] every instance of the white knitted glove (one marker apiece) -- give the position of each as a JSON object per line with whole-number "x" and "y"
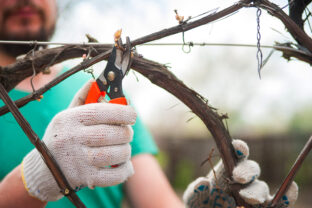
{"x": 85, "y": 141}
{"x": 211, "y": 191}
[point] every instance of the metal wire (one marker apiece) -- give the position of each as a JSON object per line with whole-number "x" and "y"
{"x": 259, "y": 52}
{"x": 207, "y": 44}
{"x": 33, "y": 68}
{"x": 210, "y": 12}
{"x": 185, "y": 44}
{"x": 290, "y": 3}
{"x": 48, "y": 43}
{"x": 145, "y": 44}
{"x": 89, "y": 70}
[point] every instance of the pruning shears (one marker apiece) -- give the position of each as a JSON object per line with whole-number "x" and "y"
{"x": 109, "y": 81}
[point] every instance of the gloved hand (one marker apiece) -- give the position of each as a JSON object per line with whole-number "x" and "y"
{"x": 211, "y": 191}
{"x": 85, "y": 140}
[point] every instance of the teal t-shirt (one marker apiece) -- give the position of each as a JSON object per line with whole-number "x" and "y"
{"x": 14, "y": 145}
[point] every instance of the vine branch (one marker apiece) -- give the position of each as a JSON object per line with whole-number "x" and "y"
{"x": 42, "y": 149}
{"x": 298, "y": 34}
{"x": 11, "y": 75}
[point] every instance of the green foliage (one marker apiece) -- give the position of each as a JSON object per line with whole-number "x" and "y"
{"x": 184, "y": 170}
{"x": 301, "y": 121}
{"x": 303, "y": 176}
{"x": 185, "y": 174}
{"x": 162, "y": 158}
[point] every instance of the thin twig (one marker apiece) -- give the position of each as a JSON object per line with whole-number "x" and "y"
{"x": 190, "y": 25}
{"x": 42, "y": 149}
{"x": 33, "y": 76}
{"x": 289, "y": 52}
{"x": 308, "y": 14}
{"x": 211, "y": 166}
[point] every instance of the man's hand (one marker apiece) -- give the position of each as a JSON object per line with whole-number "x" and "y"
{"x": 85, "y": 140}
{"x": 211, "y": 191}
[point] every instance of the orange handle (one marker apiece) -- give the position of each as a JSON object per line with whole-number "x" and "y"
{"x": 120, "y": 100}
{"x": 94, "y": 94}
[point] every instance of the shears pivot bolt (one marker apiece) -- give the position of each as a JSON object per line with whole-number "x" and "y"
{"x": 111, "y": 76}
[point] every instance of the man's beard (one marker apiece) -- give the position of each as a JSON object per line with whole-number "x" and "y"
{"x": 43, "y": 34}
{"x": 15, "y": 50}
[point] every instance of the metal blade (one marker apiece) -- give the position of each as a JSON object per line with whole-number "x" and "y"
{"x": 101, "y": 80}
{"x": 126, "y": 59}
{"x": 119, "y": 54}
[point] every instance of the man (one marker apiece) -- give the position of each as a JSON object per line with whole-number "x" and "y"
{"x": 86, "y": 139}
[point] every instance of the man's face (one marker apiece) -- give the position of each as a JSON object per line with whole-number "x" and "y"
{"x": 26, "y": 20}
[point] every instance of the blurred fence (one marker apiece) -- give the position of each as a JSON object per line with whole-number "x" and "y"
{"x": 182, "y": 158}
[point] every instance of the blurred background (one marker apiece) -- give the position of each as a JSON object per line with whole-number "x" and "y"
{"x": 273, "y": 114}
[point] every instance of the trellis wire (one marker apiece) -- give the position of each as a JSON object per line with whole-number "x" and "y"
{"x": 145, "y": 44}
{"x": 259, "y": 52}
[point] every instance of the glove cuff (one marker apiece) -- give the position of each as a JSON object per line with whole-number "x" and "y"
{"x": 37, "y": 179}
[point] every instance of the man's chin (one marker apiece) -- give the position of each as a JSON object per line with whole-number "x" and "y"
{"x": 15, "y": 50}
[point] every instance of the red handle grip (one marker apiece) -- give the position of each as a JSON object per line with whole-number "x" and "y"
{"x": 120, "y": 100}
{"x": 94, "y": 94}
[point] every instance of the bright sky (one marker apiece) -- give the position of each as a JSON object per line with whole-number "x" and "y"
{"x": 226, "y": 76}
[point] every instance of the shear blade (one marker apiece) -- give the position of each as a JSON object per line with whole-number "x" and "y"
{"x": 126, "y": 59}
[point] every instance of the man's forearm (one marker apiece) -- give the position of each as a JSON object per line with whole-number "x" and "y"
{"x": 13, "y": 193}
{"x": 149, "y": 187}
